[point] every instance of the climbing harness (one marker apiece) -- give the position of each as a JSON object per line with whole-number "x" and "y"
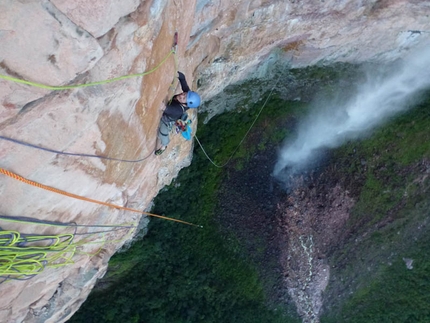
{"x": 246, "y": 134}
{"x": 181, "y": 125}
{"x": 68, "y": 87}
{"x": 82, "y": 198}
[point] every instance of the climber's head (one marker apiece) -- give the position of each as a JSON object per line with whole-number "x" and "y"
{"x": 182, "y": 97}
{"x": 193, "y": 99}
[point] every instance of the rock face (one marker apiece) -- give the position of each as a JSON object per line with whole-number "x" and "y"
{"x": 72, "y": 42}
{"x": 306, "y": 32}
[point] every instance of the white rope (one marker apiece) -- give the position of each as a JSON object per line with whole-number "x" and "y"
{"x": 237, "y": 147}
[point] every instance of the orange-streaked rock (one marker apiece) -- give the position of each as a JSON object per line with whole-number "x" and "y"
{"x": 220, "y": 42}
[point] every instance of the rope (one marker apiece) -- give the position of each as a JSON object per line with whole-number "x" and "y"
{"x": 23, "y": 219}
{"x": 246, "y": 134}
{"x": 114, "y": 227}
{"x": 68, "y": 87}
{"x": 23, "y": 143}
{"x": 22, "y": 256}
{"x": 82, "y": 198}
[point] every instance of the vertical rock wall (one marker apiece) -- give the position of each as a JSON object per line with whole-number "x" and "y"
{"x": 221, "y": 42}
{"x": 60, "y": 43}
{"x": 240, "y": 38}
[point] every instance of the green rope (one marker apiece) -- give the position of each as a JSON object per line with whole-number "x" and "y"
{"x": 22, "y": 256}
{"x": 246, "y": 134}
{"x": 75, "y": 86}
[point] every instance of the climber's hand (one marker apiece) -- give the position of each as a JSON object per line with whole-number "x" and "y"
{"x": 181, "y": 76}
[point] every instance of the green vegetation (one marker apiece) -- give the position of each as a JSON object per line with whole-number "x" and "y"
{"x": 389, "y": 157}
{"x": 398, "y": 295}
{"x": 389, "y": 222}
{"x": 179, "y": 273}
{"x": 187, "y": 274}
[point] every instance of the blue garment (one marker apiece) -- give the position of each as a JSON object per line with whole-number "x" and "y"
{"x": 187, "y": 133}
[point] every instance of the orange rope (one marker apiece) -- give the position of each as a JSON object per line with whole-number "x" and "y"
{"x": 55, "y": 190}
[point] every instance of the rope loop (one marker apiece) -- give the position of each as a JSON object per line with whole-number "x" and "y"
{"x": 246, "y": 134}
{"x": 76, "y": 86}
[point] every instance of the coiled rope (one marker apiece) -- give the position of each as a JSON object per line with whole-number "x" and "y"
{"x": 75, "y": 86}
{"x": 19, "y": 261}
{"x": 246, "y": 134}
{"x": 82, "y": 198}
{"x": 22, "y": 256}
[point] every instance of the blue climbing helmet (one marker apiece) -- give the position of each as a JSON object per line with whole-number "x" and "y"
{"x": 193, "y": 99}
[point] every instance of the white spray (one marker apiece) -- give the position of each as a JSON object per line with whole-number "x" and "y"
{"x": 375, "y": 101}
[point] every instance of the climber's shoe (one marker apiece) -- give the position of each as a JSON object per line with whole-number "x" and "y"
{"x": 160, "y": 151}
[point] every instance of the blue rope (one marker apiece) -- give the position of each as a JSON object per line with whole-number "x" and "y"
{"x": 74, "y": 154}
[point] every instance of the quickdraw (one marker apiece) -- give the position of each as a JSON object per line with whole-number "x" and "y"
{"x": 181, "y": 125}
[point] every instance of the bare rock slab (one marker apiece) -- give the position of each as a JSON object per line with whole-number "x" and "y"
{"x": 96, "y": 17}
{"x": 40, "y": 44}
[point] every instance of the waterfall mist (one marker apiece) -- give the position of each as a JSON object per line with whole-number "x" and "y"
{"x": 385, "y": 93}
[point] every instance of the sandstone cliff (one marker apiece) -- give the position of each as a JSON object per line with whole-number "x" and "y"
{"x": 220, "y": 42}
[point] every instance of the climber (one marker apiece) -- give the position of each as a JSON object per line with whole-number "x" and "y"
{"x": 176, "y": 110}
